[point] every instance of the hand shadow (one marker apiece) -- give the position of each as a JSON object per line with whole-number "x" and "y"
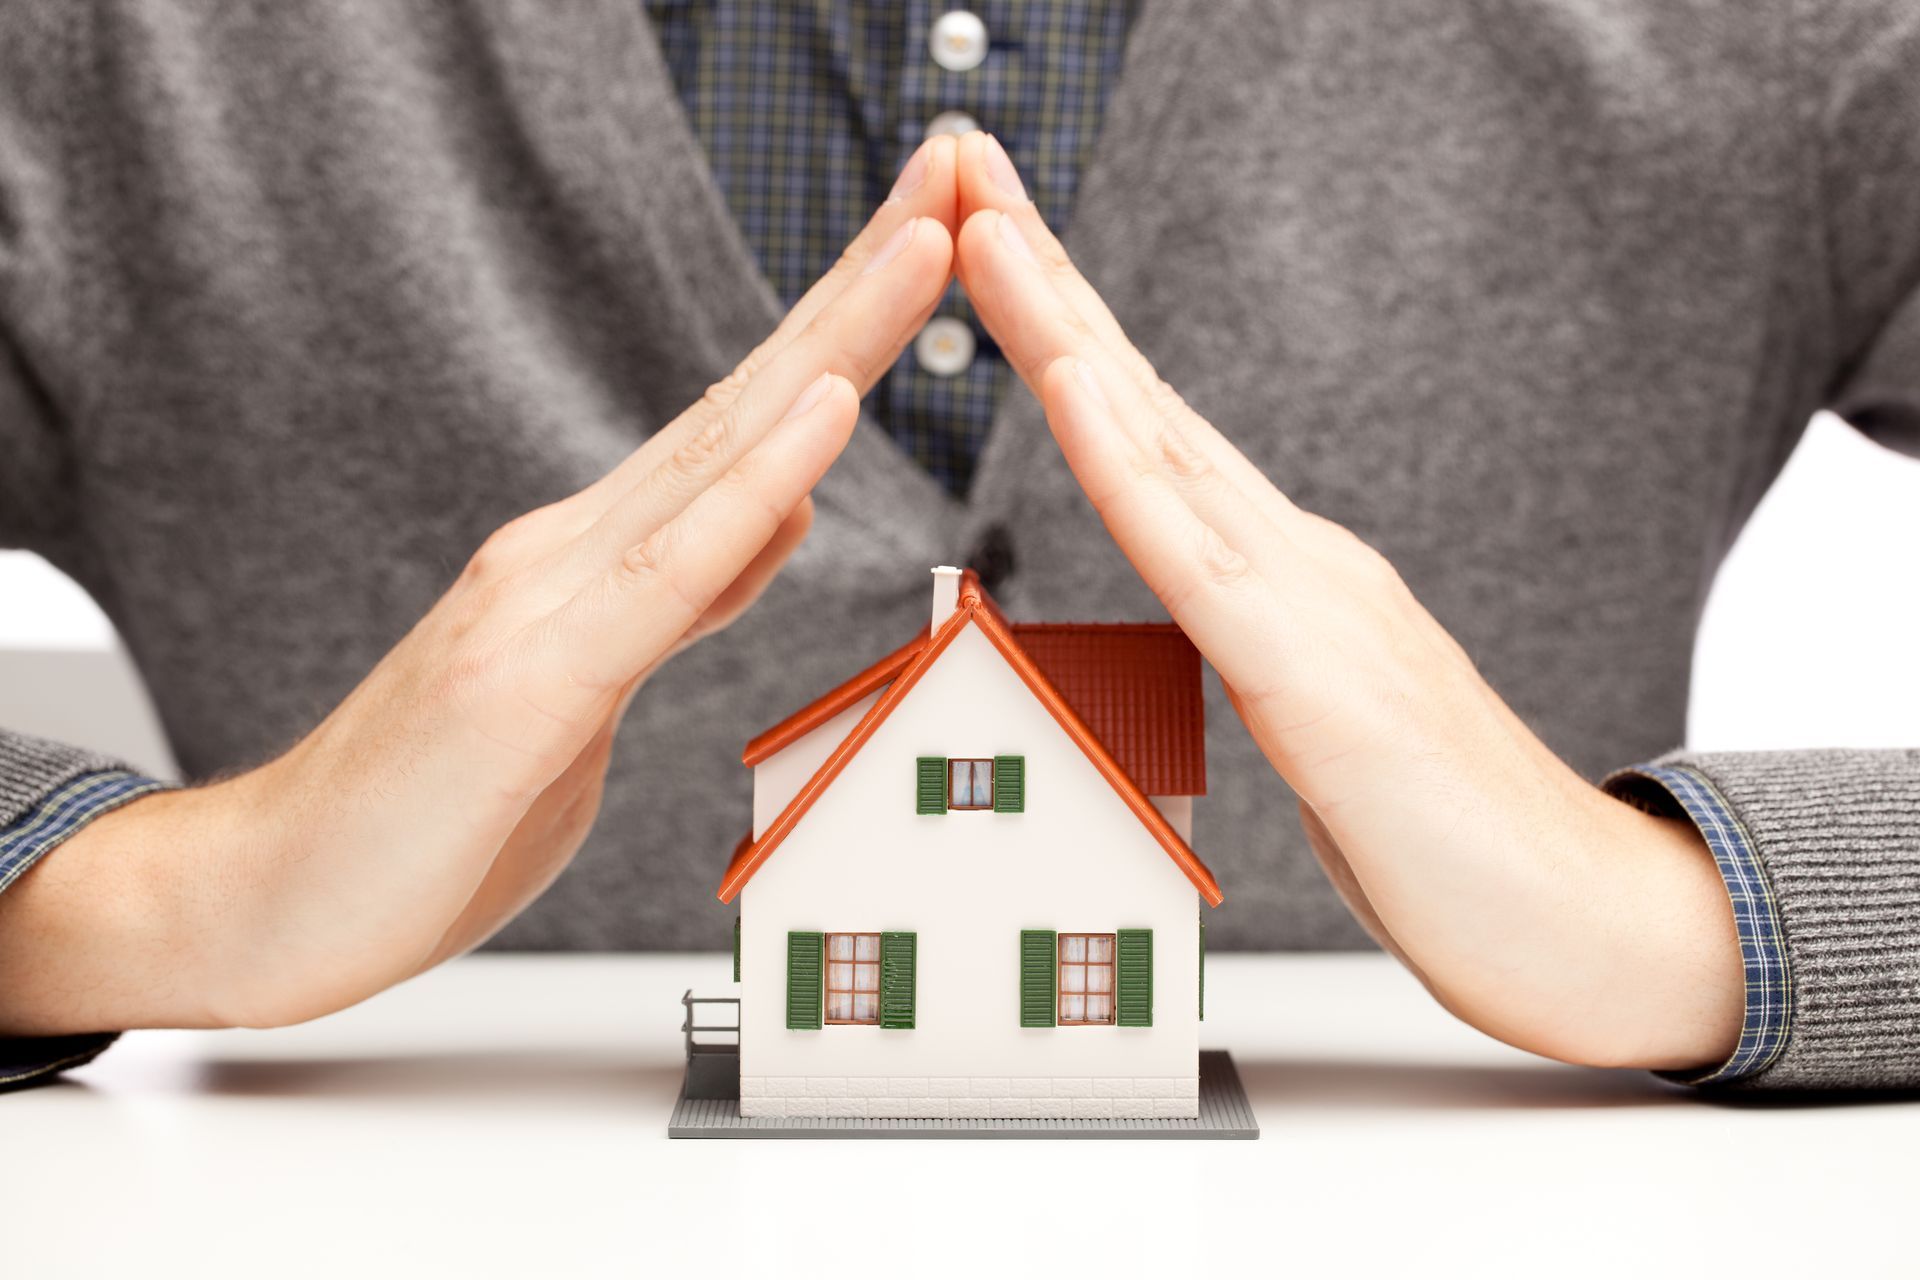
{"x": 1417, "y": 1086}
{"x": 511, "y": 1079}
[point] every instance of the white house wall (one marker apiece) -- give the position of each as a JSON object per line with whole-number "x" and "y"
{"x": 1178, "y": 811}
{"x": 779, "y": 777}
{"x": 967, "y": 883}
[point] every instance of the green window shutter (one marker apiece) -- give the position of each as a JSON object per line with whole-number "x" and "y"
{"x": 1203, "y": 969}
{"x": 1036, "y": 977}
{"x": 1133, "y": 979}
{"x": 898, "y": 954}
{"x": 736, "y": 948}
{"x": 806, "y": 976}
{"x": 930, "y": 791}
{"x": 1009, "y": 784}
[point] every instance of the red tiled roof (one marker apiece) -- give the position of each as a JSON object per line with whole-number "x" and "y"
{"x": 1099, "y": 676}
{"x": 1137, "y": 685}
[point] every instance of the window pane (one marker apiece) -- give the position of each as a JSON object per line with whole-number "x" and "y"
{"x": 839, "y": 977}
{"x": 1073, "y": 977}
{"x": 866, "y": 1008}
{"x": 1073, "y": 948}
{"x": 983, "y": 783}
{"x": 839, "y": 1007}
{"x": 839, "y": 947}
{"x": 866, "y": 977}
{"x": 1100, "y": 948}
{"x": 1073, "y": 1008}
{"x": 1098, "y": 1008}
{"x": 1099, "y": 978}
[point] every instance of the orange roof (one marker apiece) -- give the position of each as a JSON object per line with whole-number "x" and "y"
{"x": 1067, "y": 647}
{"x": 830, "y": 704}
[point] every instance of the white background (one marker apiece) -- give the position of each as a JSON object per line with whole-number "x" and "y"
{"x": 1809, "y": 638}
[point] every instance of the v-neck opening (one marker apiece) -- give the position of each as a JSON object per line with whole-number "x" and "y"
{"x": 873, "y": 455}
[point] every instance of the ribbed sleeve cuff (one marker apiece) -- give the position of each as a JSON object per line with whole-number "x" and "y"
{"x": 1837, "y": 836}
{"x": 33, "y": 768}
{"x": 1763, "y": 950}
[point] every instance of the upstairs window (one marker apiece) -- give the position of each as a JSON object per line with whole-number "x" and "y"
{"x": 996, "y": 784}
{"x": 969, "y": 784}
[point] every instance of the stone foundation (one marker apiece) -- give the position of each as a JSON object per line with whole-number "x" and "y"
{"x": 959, "y": 1097}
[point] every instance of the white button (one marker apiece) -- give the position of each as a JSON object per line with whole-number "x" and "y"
{"x": 951, "y": 124}
{"x": 958, "y": 41}
{"x": 944, "y": 347}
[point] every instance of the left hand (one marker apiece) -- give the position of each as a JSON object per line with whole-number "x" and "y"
{"x": 1531, "y": 904}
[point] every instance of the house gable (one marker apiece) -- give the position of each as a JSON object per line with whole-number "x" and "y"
{"x": 976, "y": 613}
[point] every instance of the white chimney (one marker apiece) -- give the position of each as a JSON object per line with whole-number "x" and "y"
{"x": 946, "y": 593}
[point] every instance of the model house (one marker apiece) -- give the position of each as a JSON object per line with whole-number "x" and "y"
{"x": 969, "y": 890}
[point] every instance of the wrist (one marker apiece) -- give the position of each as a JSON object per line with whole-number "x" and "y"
{"x": 86, "y": 941}
{"x": 1664, "y": 985}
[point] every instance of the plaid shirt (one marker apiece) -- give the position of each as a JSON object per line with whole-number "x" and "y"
{"x": 808, "y": 110}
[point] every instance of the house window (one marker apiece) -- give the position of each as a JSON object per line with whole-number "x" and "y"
{"x": 969, "y": 784}
{"x": 853, "y": 978}
{"x": 1086, "y": 979}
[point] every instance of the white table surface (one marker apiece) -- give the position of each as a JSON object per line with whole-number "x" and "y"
{"x": 507, "y": 1116}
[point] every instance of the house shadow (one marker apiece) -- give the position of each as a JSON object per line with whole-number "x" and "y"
{"x": 515, "y": 1080}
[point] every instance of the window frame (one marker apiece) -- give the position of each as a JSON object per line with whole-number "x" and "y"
{"x": 1061, "y": 964}
{"x": 855, "y": 964}
{"x": 977, "y": 762}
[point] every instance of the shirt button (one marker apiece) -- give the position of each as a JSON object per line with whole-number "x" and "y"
{"x": 958, "y": 40}
{"x": 951, "y": 124}
{"x": 945, "y": 347}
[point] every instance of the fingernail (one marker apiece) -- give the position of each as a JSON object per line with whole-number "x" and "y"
{"x": 1083, "y": 374}
{"x": 891, "y": 249}
{"x": 1000, "y": 169}
{"x": 910, "y": 177}
{"x": 816, "y": 392}
{"x": 1010, "y": 232}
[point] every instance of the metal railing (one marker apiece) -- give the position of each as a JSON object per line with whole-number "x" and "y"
{"x": 690, "y": 1028}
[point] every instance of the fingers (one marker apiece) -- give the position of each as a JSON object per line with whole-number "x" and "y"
{"x": 755, "y": 578}
{"x": 860, "y": 333}
{"x": 1038, "y": 330}
{"x": 1210, "y": 588}
{"x": 923, "y": 193}
{"x": 989, "y": 184}
{"x": 924, "y": 189}
{"x": 649, "y": 594}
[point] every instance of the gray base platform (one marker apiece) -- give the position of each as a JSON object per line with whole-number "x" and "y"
{"x": 1224, "y": 1113}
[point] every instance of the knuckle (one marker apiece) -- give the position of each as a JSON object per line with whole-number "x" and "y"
{"x": 649, "y": 567}
{"x": 1179, "y": 458}
{"x": 724, "y": 392}
{"x": 1220, "y": 564}
{"x": 499, "y": 551}
{"x": 1160, "y": 392}
{"x": 705, "y": 447}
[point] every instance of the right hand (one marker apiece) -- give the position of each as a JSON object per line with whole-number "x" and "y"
{"x": 451, "y": 787}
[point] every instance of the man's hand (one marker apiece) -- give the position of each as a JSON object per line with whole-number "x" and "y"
{"x": 459, "y": 778}
{"x": 1530, "y": 904}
